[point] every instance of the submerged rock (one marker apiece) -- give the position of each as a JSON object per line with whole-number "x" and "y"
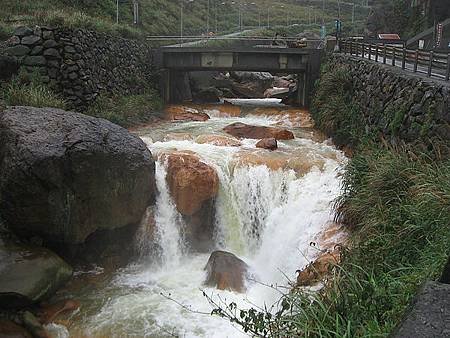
{"x": 29, "y": 274}
{"x": 267, "y": 143}
{"x": 9, "y": 329}
{"x": 181, "y": 113}
{"x": 243, "y": 130}
{"x": 65, "y": 175}
{"x": 226, "y": 271}
{"x": 218, "y": 140}
{"x": 49, "y": 312}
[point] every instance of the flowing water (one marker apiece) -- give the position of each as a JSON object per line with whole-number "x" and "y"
{"x": 270, "y": 207}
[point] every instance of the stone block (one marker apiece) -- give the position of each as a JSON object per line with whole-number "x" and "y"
{"x": 35, "y": 61}
{"x": 23, "y": 31}
{"x": 52, "y": 53}
{"x": 18, "y": 50}
{"x": 428, "y": 315}
{"x": 50, "y": 44}
{"x": 30, "y": 40}
{"x": 47, "y": 35}
{"x": 37, "y": 50}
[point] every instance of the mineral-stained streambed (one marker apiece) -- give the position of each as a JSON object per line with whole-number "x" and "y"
{"x": 270, "y": 206}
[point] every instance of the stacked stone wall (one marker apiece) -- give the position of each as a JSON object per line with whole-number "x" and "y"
{"x": 81, "y": 64}
{"x": 398, "y": 103}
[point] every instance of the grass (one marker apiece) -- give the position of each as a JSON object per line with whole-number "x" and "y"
{"x": 127, "y": 110}
{"x": 28, "y": 90}
{"x": 162, "y": 17}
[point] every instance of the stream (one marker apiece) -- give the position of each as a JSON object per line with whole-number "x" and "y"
{"x": 286, "y": 195}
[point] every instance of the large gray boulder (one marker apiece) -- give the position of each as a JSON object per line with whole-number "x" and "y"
{"x": 29, "y": 274}
{"x": 65, "y": 176}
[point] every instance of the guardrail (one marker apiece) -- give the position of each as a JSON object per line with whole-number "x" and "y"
{"x": 431, "y": 63}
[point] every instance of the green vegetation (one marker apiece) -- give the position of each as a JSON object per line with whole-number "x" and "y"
{"x": 162, "y": 17}
{"x": 27, "y": 89}
{"x": 333, "y": 110}
{"x": 127, "y": 110}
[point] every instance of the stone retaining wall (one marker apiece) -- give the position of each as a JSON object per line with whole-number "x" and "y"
{"x": 81, "y": 64}
{"x": 397, "y": 103}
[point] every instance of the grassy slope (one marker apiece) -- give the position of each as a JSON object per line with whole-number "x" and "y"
{"x": 161, "y": 17}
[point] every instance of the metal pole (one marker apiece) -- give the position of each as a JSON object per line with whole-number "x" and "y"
{"x": 181, "y": 23}
{"x": 117, "y": 12}
{"x": 207, "y": 19}
{"x": 353, "y": 14}
{"x": 268, "y": 17}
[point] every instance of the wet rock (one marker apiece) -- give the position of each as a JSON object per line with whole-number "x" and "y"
{"x": 32, "y": 324}
{"x": 23, "y": 31}
{"x": 18, "y": 50}
{"x": 191, "y": 182}
{"x": 29, "y": 274}
{"x": 251, "y": 84}
{"x": 428, "y": 315}
{"x": 218, "y": 140}
{"x": 319, "y": 269}
{"x": 243, "y": 130}
{"x": 49, "y": 312}
{"x": 207, "y": 95}
{"x": 267, "y": 143}
{"x": 281, "y": 82}
{"x": 35, "y": 61}
{"x": 178, "y": 137}
{"x": 9, "y": 329}
{"x": 30, "y": 40}
{"x": 65, "y": 176}
{"x": 8, "y": 67}
{"x": 180, "y": 113}
{"x": 225, "y": 271}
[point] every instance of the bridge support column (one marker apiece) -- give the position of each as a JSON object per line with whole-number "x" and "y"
{"x": 165, "y": 85}
{"x": 302, "y": 89}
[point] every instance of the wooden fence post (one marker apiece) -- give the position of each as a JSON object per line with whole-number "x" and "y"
{"x": 430, "y": 64}
{"x": 416, "y": 61}
{"x": 376, "y": 53}
{"x": 447, "y": 76}
{"x": 384, "y": 54}
{"x": 404, "y": 59}
{"x": 393, "y": 55}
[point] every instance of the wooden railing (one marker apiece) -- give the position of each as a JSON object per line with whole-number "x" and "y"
{"x": 433, "y": 64}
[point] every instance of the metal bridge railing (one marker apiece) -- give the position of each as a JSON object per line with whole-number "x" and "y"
{"x": 431, "y": 63}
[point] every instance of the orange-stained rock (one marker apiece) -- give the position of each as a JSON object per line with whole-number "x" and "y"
{"x": 243, "y": 130}
{"x": 225, "y": 271}
{"x": 267, "y": 143}
{"x": 183, "y": 113}
{"x": 49, "y": 312}
{"x": 277, "y": 160}
{"x": 178, "y": 137}
{"x": 218, "y": 140}
{"x": 191, "y": 182}
{"x": 9, "y": 329}
{"x": 319, "y": 269}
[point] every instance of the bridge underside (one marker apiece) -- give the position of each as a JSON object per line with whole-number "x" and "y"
{"x": 303, "y": 62}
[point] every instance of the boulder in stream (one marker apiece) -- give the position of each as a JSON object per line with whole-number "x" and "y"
{"x": 65, "y": 176}
{"x": 193, "y": 186}
{"x": 243, "y": 130}
{"x": 267, "y": 143}
{"x": 29, "y": 274}
{"x": 182, "y": 113}
{"x": 218, "y": 140}
{"x": 226, "y": 271}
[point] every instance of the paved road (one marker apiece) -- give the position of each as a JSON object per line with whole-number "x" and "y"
{"x": 409, "y": 66}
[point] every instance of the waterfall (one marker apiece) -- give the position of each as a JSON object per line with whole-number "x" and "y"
{"x": 165, "y": 238}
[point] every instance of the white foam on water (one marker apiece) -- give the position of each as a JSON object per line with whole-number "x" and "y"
{"x": 266, "y": 217}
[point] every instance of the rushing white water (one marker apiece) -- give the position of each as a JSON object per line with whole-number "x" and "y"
{"x": 267, "y": 214}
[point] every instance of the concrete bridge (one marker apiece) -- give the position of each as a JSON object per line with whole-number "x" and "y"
{"x": 303, "y": 62}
